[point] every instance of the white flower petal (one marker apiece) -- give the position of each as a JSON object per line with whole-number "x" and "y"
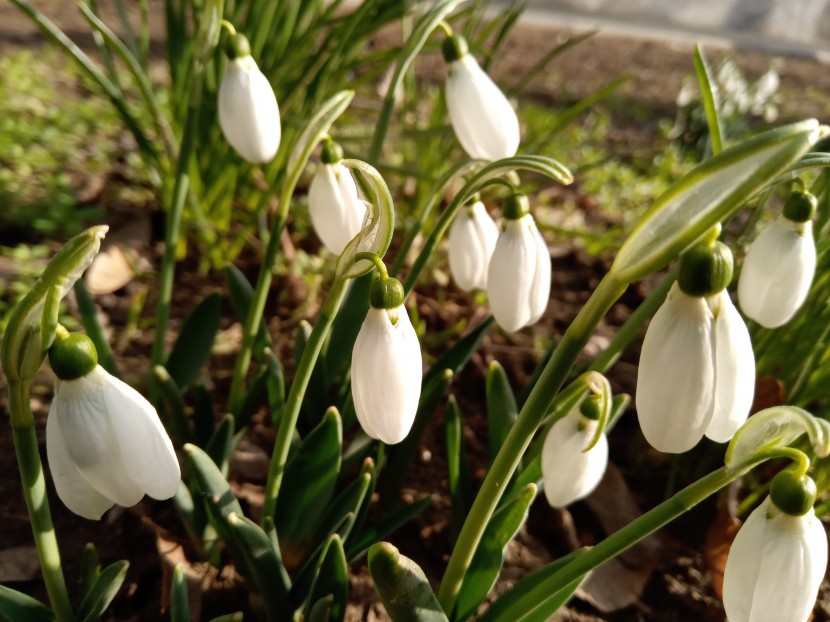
{"x": 570, "y": 474}
{"x": 484, "y": 121}
{"x": 248, "y": 112}
{"x": 777, "y": 272}
{"x": 75, "y": 492}
{"x": 386, "y": 375}
{"x": 775, "y": 567}
{"x": 336, "y": 210}
{"x": 81, "y": 416}
{"x": 113, "y": 438}
{"x": 676, "y": 378}
{"x": 146, "y": 450}
{"x": 734, "y": 372}
{"x": 510, "y": 277}
{"x": 472, "y": 240}
{"x": 540, "y": 290}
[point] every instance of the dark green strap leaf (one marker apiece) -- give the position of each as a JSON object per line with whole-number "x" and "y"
{"x": 179, "y": 603}
{"x": 403, "y": 586}
{"x": 457, "y": 356}
{"x": 310, "y": 477}
{"x": 192, "y": 348}
{"x": 332, "y": 578}
{"x": 220, "y": 446}
{"x": 489, "y": 556}
{"x": 458, "y": 469}
{"x": 16, "y": 607}
{"x": 265, "y": 566}
{"x": 501, "y": 407}
{"x": 389, "y": 523}
{"x": 100, "y": 596}
{"x": 241, "y": 293}
{"x": 90, "y": 569}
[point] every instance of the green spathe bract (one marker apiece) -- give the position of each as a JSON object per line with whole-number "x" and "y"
{"x": 707, "y": 195}
{"x": 31, "y": 328}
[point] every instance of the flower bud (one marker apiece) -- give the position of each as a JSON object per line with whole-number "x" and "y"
{"x": 472, "y": 241}
{"x": 777, "y": 272}
{"x": 519, "y": 275}
{"x": 775, "y": 567}
{"x": 483, "y": 120}
{"x": 248, "y": 112}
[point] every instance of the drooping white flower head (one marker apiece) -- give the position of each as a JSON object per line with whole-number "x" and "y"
{"x": 775, "y": 566}
{"x": 336, "y": 210}
{"x": 248, "y": 112}
{"x": 518, "y": 279}
{"x": 569, "y": 472}
{"x": 386, "y": 366}
{"x": 472, "y": 240}
{"x": 483, "y": 120}
{"x": 105, "y": 443}
{"x": 697, "y": 369}
{"x": 778, "y": 271}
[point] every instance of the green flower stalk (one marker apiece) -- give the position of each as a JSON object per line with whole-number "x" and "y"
{"x": 30, "y": 332}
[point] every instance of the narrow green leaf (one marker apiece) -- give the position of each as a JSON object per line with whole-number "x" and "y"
{"x": 93, "y": 328}
{"x": 220, "y": 447}
{"x": 400, "y": 456}
{"x": 457, "y": 357}
{"x": 349, "y": 500}
{"x": 310, "y": 477}
{"x": 241, "y": 292}
{"x": 192, "y": 348}
{"x": 172, "y": 412}
{"x": 90, "y": 569}
{"x": 388, "y": 524}
{"x": 458, "y": 469}
{"x": 420, "y": 34}
{"x": 528, "y": 601}
{"x": 332, "y": 578}
{"x": 213, "y": 487}
{"x": 100, "y": 596}
{"x": 403, "y": 586}
{"x": 321, "y": 609}
{"x": 230, "y": 617}
{"x": 202, "y": 414}
{"x": 275, "y": 384}
{"x": 489, "y": 556}
{"x": 179, "y": 603}
{"x": 501, "y": 407}
{"x": 709, "y": 97}
{"x": 707, "y": 195}
{"x": 17, "y": 607}
{"x": 266, "y": 570}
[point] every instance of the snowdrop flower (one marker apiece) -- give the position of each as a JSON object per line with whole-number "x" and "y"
{"x": 472, "y": 240}
{"x": 518, "y": 279}
{"x": 780, "y": 264}
{"x": 483, "y": 120}
{"x": 104, "y": 441}
{"x": 335, "y": 209}
{"x": 248, "y": 111}
{"x": 570, "y": 470}
{"x": 697, "y": 369}
{"x": 386, "y": 366}
{"x": 778, "y": 559}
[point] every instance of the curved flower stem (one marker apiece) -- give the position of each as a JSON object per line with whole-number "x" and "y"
{"x": 34, "y": 490}
{"x": 650, "y": 522}
{"x": 520, "y": 435}
{"x": 381, "y": 267}
{"x": 174, "y": 215}
{"x": 296, "y": 394}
